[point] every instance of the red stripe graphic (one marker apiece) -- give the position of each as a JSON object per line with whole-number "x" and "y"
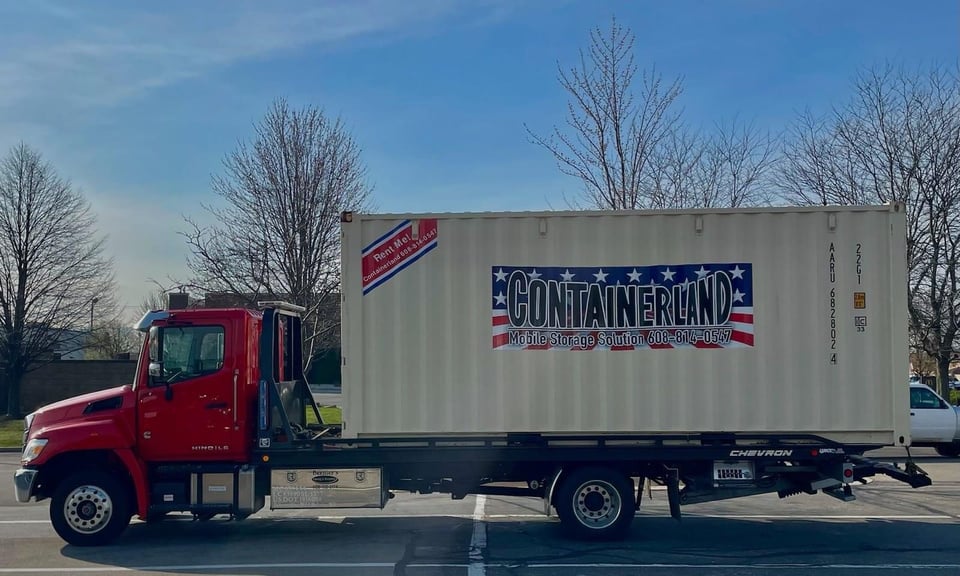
{"x": 742, "y": 318}
{"x": 397, "y": 250}
{"x": 742, "y": 337}
{"x": 500, "y": 320}
{"x": 501, "y": 340}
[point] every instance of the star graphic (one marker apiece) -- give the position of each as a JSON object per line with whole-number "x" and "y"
{"x": 501, "y": 275}
{"x": 738, "y": 295}
{"x": 567, "y": 276}
{"x": 634, "y": 276}
{"x": 702, "y": 272}
{"x": 686, "y": 283}
{"x": 500, "y": 298}
{"x": 737, "y": 272}
{"x": 534, "y": 275}
{"x": 601, "y": 276}
{"x": 668, "y": 275}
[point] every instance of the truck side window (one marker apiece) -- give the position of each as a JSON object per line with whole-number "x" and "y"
{"x": 191, "y": 351}
{"x": 923, "y": 399}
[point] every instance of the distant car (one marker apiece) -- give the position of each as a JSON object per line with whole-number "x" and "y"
{"x": 933, "y": 421}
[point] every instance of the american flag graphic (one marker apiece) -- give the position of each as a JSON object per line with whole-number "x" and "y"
{"x": 702, "y": 305}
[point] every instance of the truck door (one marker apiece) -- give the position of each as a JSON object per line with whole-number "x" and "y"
{"x": 187, "y": 407}
{"x": 931, "y": 418}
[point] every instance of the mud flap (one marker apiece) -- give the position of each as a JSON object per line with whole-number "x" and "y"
{"x": 672, "y": 479}
{"x": 548, "y": 491}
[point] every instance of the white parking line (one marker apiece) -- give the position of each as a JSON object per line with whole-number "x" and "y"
{"x": 478, "y": 542}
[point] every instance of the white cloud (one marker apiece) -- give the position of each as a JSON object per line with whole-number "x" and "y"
{"x": 62, "y": 61}
{"x": 95, "y": 58}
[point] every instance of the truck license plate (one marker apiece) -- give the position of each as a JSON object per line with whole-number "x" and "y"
{"x": 733, "y": 472}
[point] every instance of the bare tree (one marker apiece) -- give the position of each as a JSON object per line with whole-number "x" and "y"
{"x": 155, "y": 300}
{"x": 613, "y": 132}
{"x": 110, "y": 340}
{"x": 629, "y": 147}
{"x": 738, "y": 159}
{"x": 51, "y": 267}
{"x": 678, "y": 167}
{"x": 726, "y": 169}
{"x": 277, "y": 234}
{"x": 897, "y": 139}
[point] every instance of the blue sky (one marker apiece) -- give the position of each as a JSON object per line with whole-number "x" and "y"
{"x": 137, "y": 103}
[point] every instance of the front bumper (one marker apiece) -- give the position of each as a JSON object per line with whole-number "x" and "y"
{"x": 23, "y": 484}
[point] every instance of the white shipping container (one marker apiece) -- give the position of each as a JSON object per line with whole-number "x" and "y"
{"x": 786, "y": 320}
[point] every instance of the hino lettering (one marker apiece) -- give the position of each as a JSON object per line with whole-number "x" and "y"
{"x": 209, "y": 448}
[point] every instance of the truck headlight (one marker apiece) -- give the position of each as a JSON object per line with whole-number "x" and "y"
{"x": 33, "y": 449}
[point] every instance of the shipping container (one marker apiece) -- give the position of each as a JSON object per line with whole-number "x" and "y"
{"x": 748, "y": 320}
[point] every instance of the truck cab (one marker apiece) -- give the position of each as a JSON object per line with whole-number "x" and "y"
{"x": 178, "y": 438}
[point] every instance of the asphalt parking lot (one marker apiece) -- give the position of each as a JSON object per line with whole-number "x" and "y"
{"x": 890, "y": 529}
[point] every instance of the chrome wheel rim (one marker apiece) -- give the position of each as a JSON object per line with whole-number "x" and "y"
{"x": 597, "y": 504}
{"x": 88, "y": 509}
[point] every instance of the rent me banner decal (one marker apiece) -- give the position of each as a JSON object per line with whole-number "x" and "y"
{"x": 623, "y": 307}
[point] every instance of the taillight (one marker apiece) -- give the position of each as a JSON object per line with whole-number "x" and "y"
{"x": 847, "y": 473}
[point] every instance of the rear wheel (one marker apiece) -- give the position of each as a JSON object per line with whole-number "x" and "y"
{"x": 90, "y": 508}
{"x": 596, "y": 503}
{"x": 949, "y": 450}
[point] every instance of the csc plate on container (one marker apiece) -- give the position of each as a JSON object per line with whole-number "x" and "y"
{"x": 326, "y": 488}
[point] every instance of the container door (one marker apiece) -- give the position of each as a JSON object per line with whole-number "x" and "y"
{"x": 187, "y": 411}
{"x": 931, "y": 418}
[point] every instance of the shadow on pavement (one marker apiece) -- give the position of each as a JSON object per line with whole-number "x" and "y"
{"x": 393, "y": 545}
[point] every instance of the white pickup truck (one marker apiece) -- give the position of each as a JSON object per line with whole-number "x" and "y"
{"x": 933, "y": 421}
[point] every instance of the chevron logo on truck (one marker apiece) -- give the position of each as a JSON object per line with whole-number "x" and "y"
{"x": 760, "y": 453}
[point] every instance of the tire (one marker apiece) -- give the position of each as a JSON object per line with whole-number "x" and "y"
{"x": 91, "y": 508}
{"x": 948, "y": 450}
{"x": 595, "y": 503}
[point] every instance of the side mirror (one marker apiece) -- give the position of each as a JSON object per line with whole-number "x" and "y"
{"x": 155, "y": 369}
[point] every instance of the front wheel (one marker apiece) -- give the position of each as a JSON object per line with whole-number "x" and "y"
{"x": 90, "y": 508}
{"x": 596, "y": 503}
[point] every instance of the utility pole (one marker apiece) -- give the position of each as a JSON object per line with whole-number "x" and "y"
{"x": 92, "y": 302}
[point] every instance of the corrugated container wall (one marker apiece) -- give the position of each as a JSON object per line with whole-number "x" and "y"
{"x": 760, "y": 320}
